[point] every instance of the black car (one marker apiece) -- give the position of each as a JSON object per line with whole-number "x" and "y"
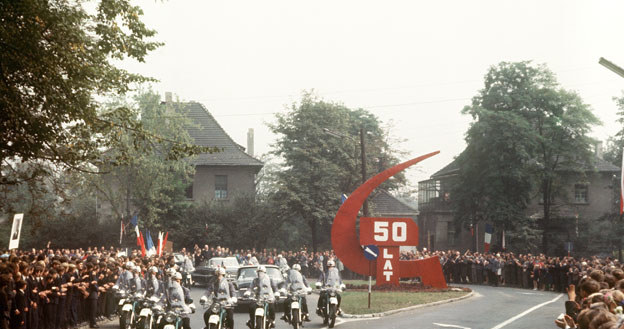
{"x": 206, "y": 270}
{"x": 246, "y": 274}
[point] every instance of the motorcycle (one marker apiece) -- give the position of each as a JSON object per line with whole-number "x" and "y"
{"x": 295, "y": 316}
{"x": 218, "y": 312}
{"x": 129, "y": 308}
{"x": 173, "y": 317}
{"x": 187, "y": 280}
{"x": 330, "y": 309}
{"x": 147, "y": 314}
{"x": 261, "y": 318}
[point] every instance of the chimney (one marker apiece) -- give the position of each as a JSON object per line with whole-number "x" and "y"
{"x": 250, "y": 142}
{"x": 598, "y": 150}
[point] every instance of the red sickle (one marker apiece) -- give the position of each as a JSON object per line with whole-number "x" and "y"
{"x": 346, "y": 243}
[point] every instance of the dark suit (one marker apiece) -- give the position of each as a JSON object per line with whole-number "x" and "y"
{"x": 18, "y": 311}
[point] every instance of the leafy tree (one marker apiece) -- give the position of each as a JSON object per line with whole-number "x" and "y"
{"x": 55, "y": 56}
{"x": 317, "y": 168}
{"x": 527, "y": 132}
{"x": 151, "y": 182}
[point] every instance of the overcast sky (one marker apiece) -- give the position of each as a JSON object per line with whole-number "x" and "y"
{"x": 414, "y": 64}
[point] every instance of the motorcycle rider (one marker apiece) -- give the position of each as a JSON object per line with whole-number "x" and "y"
{"x": 153, "y": 286}
{"x": 178, "y": 298}
{"x": 222, "y": 290}
{"x": 186, "y": 267}
{"x": 264, "y": 285}
{"x": 281, "y": 262}
{"x": 137, "y": 284}
{"x": 125, "y": 278}
{"x": 330, "y": 279}
{"x": 295, "y": 281}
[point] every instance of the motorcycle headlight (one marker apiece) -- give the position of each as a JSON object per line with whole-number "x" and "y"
{"x": 215, "y": 308}
{"x": 170, "y": 317}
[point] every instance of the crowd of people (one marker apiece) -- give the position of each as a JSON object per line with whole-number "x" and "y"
{"x": 312, "y": 263}
{"x": 61, "y": 289}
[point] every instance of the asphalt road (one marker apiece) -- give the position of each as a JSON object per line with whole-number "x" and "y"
{"x": 490, "y": 308}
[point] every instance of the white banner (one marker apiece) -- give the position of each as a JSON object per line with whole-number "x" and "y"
{"x": 16, "y": 231}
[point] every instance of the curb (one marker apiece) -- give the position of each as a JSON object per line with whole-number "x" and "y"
{"x": 405, "y": 309}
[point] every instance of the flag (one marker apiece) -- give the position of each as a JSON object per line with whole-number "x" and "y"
{"x": 141, "y": 243}
{"x": 488, "y": 236}
{"x": 343, "y": 198}
{"x": 159, "y": 249}
{"x": 134, "y": 221}
{"x": 151, "y": 250}
{"x": 164, "y": 243}
{"x": 622, "y": 186}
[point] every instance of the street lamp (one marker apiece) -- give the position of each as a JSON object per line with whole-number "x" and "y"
{"x": 614, "y": 68}
{"x": 363, "y": 157}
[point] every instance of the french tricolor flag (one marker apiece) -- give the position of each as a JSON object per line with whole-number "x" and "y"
{"x": 488, "y": 236}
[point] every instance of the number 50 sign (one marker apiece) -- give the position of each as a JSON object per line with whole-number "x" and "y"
{"x": 388, "y": 231}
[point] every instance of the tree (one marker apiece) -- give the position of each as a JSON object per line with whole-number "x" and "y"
{"x": 527, "y": 132}
{"x": 56, "y": 57}
{"x": 317, "y": 168}
{"x": 151, "y": 182}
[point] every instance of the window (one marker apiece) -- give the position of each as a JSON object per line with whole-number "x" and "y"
{"x": 221, "y": 187}
{"x": 580, "y": 193}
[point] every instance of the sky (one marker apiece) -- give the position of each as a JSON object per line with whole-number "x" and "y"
{"x": 414, "y": 64}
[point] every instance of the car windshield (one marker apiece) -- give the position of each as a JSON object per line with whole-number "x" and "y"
{"x": 250, "y": 273}
{"x": 226, "y": 262}
{"x": 247, "y": 273}
{"x": 274, "y": 273}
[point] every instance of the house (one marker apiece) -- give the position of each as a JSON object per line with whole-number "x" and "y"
{"x": 587, "y": 196}
{"x": 225, "y": 174}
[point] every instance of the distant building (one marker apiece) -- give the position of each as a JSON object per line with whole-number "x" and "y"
{"x": 225, "y": 174}
{"x": 588, "y": 196}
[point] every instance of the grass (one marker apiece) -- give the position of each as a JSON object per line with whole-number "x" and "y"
{"x": 356, "y": 302}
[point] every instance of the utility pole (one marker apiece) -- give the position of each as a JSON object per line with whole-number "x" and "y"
{"x": 363, "y": 153}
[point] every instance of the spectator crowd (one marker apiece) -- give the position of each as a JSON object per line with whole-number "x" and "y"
{"x": 62, "y": 289}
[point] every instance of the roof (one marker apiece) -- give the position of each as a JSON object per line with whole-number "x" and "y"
{"x": 207, "y": 132}
{"x": 450, "y": 169}
{"x": 384, "y": 203}
{"x": 600, "y": 165}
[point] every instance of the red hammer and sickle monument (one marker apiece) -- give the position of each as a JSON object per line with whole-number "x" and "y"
{"x": 386, "y": 233}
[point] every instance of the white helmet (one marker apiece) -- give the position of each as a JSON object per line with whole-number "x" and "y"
{"x": 297, "y": 267}
{"x": 136, "y": 269}
{"x": 261, "y": 268}
{"x": 170, "y": 271}
{"x": 129, "y": 265}
{"x": 331, "y": 263}
{"x": 221, "y": 271}
{"x": 154, "y": 269}
{"x": 178, "y": 276}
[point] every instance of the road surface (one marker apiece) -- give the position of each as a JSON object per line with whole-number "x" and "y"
{"x": 490, "y": 308}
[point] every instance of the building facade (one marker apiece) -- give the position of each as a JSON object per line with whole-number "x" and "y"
{"x": 588, "y": 195}
{"x": 221, "y": 175}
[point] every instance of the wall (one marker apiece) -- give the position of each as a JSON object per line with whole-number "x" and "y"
{"x": 241, "y": 180}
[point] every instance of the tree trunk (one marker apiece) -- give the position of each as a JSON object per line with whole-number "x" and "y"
{"x": 546, "y": 217}
{"x": 312, "y": 224}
